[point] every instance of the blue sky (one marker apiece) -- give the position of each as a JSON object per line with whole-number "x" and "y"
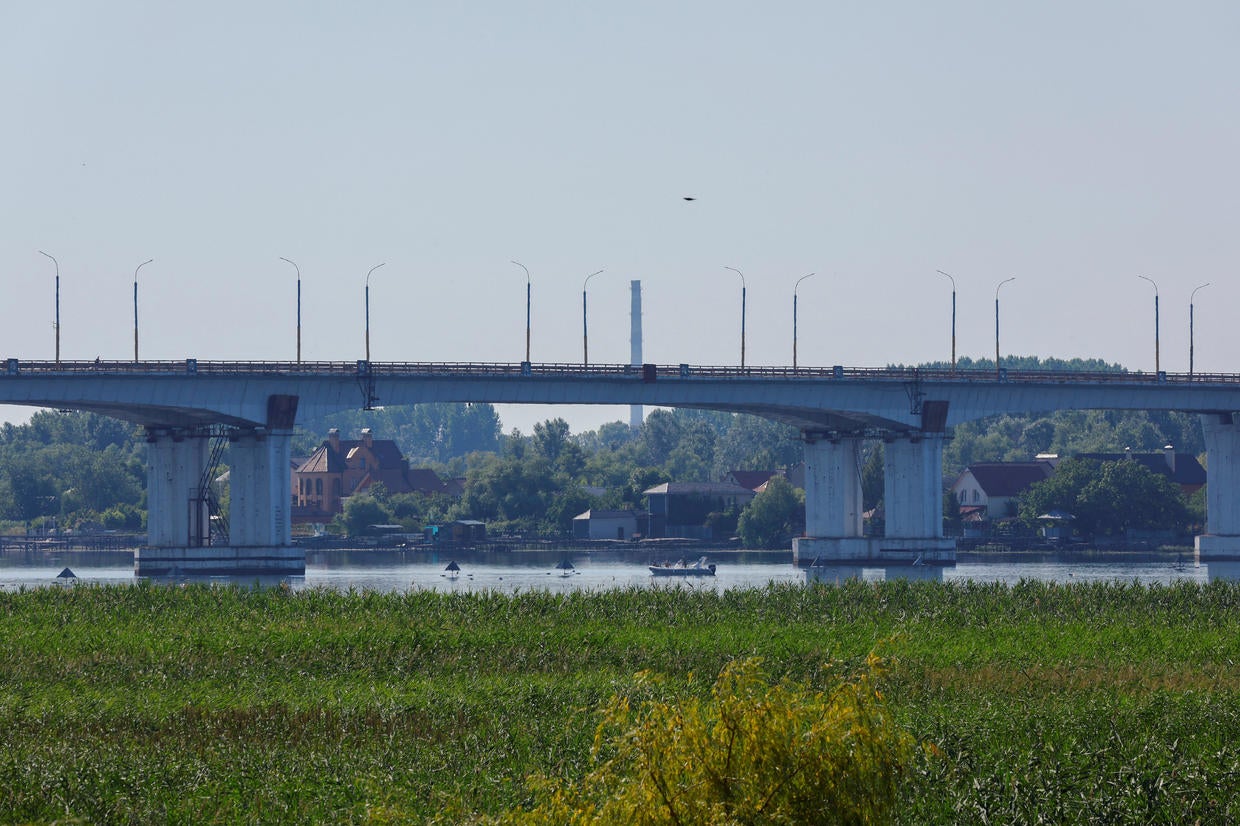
{"x": 1072, "y": 145}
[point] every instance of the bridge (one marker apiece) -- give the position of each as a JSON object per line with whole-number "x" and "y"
{"x": 188, "y": 406}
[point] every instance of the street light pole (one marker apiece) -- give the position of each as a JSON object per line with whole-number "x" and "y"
{"x": 282, "y": 258}
{"x": 953, "y": 280}
{"x": 56, "y": 325}
{"x": 1156, "y": 365}
{"x": 1191, "y": 296}
{"x": 527, "y": 309}
{"x": 372, "y": 269}
{"x": 794, "y": 319}
{"x": 742, "y": 275}
{"x": 585, "y": 332}
{"x": 1001, "y": 283}
{"x": 135, "y": 307}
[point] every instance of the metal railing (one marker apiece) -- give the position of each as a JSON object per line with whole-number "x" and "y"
{"x": 649, "y": 372}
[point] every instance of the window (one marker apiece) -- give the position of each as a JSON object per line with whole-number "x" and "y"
{"x": 318, "y": 486}
{"x": 977, "y": 496}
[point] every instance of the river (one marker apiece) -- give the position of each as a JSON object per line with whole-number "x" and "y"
{"x": 401, "y": 570}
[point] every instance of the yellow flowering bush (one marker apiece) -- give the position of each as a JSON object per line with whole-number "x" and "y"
{"x": 754, "y": 752}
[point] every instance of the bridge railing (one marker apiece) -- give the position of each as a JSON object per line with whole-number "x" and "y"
{"x": 647, "y": 372}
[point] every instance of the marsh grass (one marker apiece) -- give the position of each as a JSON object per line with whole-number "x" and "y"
{"x": 1080, "y": 703}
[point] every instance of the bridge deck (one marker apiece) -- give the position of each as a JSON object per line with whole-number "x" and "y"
{"x": 397, "y": 369}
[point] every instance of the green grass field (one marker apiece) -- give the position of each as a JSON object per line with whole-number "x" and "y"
{"x": 149, "y": 704}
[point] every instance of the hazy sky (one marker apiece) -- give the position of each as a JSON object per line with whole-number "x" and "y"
{"x": 1073, "y": 145}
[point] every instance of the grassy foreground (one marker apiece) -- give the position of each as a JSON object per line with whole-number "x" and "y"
{"x": 1072, "y": 704}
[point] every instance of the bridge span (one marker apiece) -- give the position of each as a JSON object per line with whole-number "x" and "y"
{"x": 182, "y": 404}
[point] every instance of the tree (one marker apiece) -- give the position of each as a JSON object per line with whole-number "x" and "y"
{"x": 773, "y": 516}
{"x": 1128, "y": 496}
{"x": 550, "y": 437}
{"x": 660, "y": 434}
{"x": 360, "y": 512}
{"x": 872, "y": 476}
{"x": 1107, "y": 497}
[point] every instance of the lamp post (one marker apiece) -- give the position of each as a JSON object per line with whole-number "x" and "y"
{"x": 794, "y": 319}
{"x": 585, "y": 331}
{"x": 1191, "y": 296}
{"x": 1001, "y": 283}
{"x": 282, "y": 258}
{"x": 953, "y": 280}
{"x": 372, "y": 269}
{"x": 56, "y": 324}
{"x": 742, "y": 275}
{"x": 135, "y": 307}
{"x": 1156, "y": 366}
{"x": 527, "y": 309}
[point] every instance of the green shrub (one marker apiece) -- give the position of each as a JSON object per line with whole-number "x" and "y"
{"x": 754, "y": 752}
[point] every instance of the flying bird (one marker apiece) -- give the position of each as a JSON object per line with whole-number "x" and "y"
{"x": 690, "y": 198}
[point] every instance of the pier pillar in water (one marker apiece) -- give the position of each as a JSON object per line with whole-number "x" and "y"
{"x": 260, "y": 529}
{"x": 176, "y": 510}
{"x": 833, "y": 509}
{"x": 1221, "y": 541}
{"x": 913, "y": 499}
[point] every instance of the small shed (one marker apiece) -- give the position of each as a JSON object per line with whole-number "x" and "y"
{"x": 602, "y": 524}
{"x": 467, "y": 530}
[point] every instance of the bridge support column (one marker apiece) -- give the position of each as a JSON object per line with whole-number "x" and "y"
{"x": 833, "y": 518}
{"x": 260, "y": 535}
{"x": 176, "y": 512}
{"x": 261, "y": 488}
{"x": 913, "y": 500}
{"x": 1221, "y": 541}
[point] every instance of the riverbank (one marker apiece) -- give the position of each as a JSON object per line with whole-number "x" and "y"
{"x": 144, "y": 703}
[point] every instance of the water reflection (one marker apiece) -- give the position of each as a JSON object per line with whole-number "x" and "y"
{"x": 506, "y": 571}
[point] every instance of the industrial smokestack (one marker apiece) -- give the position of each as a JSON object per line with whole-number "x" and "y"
{"x": 635, "y": 346}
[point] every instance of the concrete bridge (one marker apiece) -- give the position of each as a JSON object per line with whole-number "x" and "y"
{"x": 183, "y": 404}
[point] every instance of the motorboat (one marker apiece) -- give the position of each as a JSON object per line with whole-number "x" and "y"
{"x": 681, "y": 568}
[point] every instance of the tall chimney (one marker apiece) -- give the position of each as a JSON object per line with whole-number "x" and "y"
{"x": 635, "y": 346}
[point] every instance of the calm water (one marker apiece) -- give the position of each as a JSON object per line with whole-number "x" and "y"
{"x": 593, "y": 570}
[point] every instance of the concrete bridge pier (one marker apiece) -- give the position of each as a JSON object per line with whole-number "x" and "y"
{"x": 176, "y": 511}
{"x": 1221, "y": 541}
{"x": 913, "y": 497}
{"x": 833, "y": 514}
{"x": 913, "y": 500}
{"x": 260, "y": 531}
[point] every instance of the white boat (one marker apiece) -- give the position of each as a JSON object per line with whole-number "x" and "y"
{"x": 679, "y": 568}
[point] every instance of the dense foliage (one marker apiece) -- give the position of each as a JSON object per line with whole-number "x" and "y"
{"x": 1108, "y": 498}
{"x": 1099, "y": 703}
{"x": 72, "y": 470}
{"x": 774, "y": 516}
{"x": 753, "y": 752}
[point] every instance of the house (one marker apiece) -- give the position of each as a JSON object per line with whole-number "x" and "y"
{"x": 681, "y": 509}
{"x": 757, "y": 480}
{"x": 1182, "y": 469}
{"x": 988, "y": 490}
{"x": 604, "y": 524}
{"x": 752, "y": 479}
{"x": 340, "y": 468}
